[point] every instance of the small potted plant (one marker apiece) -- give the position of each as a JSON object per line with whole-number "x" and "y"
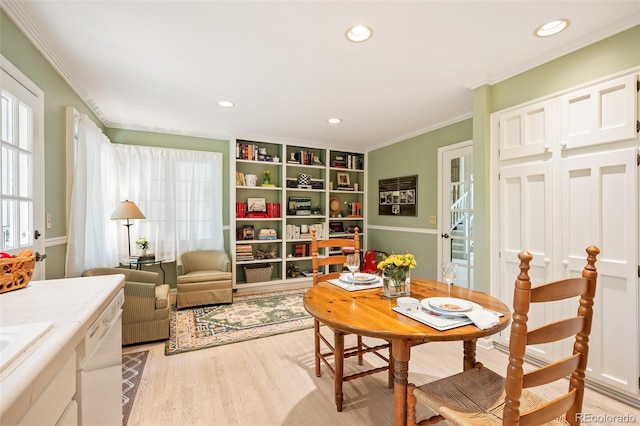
{"x": 293, "y": 271}
{"x": 143, "y": 244}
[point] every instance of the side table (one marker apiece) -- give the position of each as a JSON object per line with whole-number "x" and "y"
{"x": 139, "y": 263}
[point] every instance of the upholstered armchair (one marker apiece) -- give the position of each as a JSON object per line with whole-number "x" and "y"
{"x": 146, "y": 310}
{"x": 204, "y": 278}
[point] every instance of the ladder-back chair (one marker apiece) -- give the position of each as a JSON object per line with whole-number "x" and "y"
{"x": 336, "y": 349}
{"x": 480, "y": 396}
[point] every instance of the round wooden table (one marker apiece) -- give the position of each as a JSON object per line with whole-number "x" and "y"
{"x": 369, "y": 313}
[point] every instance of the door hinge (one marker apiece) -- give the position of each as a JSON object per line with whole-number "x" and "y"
{"x": 638, "y": 271}
{"x": 637, "y": 126}
{"x": 637, "y": 85}
{"x": 638, "y": 159}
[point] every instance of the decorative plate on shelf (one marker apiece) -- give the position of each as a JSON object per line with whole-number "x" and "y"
{"x": 334, "y": 205}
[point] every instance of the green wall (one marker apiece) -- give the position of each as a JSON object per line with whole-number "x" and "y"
{"x": 18, "y": 50}
{"x": 617, "y": 53}
{"x": 415, "y": 156}
{"x": 614, "y": 54}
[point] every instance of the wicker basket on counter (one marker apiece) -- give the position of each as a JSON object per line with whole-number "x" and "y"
{"x": 16, "y": 272}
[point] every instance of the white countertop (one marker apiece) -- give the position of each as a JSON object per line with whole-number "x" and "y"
{"x": 71, "y": 305}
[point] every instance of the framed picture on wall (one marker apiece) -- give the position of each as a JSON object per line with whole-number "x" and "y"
{"x": 398, "y": 196}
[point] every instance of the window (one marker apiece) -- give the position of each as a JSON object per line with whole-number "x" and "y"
{"x": 21, "y": 185}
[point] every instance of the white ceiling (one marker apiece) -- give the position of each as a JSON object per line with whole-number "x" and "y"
{"x": 163, "y": 65}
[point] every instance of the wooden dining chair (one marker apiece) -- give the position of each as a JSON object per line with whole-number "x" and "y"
{"x": 336, "y": 349}
{"x": 480, "y": 396}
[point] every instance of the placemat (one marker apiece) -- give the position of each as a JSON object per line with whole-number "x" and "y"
{"x": 434, "y": 320}
{"x": 439, "y": 322}
{"x": 349, "y": 287}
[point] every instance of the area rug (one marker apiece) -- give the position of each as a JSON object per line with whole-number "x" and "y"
{"x": 132, "y": 367}
{"x": 248, "y": 317}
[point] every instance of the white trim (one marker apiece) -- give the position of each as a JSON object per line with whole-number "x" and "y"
{"x": 401, "y": 229}
{"x": 422, "y": 131}
{"x": 588, "y": 40}
{"x": 441, "y": 152}
{"x": 56, "y": 241}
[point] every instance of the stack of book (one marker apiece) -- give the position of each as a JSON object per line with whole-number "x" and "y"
{"x": 267, "y": 234}
{"x": 244, "y": 252}
{"x": 301, "y": 250}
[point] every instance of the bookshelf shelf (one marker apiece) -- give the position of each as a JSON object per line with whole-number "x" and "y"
{"x": 304, "y": 179}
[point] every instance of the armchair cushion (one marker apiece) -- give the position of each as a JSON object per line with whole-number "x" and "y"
{"x": 204, "y": 260}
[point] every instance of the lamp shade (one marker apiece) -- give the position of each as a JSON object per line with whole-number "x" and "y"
{"x": 127, "y": 210}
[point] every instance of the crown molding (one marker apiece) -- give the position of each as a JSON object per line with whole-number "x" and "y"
{"x": 589, "y": 39}
{"x": 15, "y": 12}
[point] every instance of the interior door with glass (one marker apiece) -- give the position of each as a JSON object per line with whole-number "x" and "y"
{"x": 456, "y": 236}
{"x": 22, "y": 161}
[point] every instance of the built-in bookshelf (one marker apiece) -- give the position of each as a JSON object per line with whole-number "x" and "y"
{"x": 280, "y": 193}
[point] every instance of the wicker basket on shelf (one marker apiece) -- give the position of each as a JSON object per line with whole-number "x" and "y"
{"x": 257, "y": 272}
{"x": 16, "y": 272}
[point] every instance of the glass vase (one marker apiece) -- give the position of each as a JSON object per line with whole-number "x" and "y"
{"x": 394, "y": 285}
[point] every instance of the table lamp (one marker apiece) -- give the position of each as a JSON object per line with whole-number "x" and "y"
{"x": 127, "y": 210}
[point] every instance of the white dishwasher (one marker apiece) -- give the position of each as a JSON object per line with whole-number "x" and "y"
{"x": 99, "y": 369}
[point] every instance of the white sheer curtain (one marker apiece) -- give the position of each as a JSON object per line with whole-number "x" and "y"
{"x": 180, "y": 194}
{"x": 92, "y": 235}
{"x": 178, "y": 191}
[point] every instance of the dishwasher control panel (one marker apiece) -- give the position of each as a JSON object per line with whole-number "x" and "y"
{"x": 99, "y": 328}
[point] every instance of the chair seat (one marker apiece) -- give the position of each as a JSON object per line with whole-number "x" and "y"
{"x": 474, "y": 397}
{"x": 162, "y": 296}
{"x": 204, "y": 276}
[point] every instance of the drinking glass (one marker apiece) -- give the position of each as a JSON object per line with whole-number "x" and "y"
{"x": 353, "y": 263}
{"x": 449, "y": 274}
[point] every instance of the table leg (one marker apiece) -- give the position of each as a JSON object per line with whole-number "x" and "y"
{"x": 163, "y": 273}
{"x": 469, "y": 349}
{"x": 401, "y": 353}
{"x": 338, "y": 357}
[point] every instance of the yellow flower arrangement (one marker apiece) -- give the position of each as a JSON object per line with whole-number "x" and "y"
{"x": 396, "y": 267}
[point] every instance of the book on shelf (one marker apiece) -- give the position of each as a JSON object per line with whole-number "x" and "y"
{"x": 301, "y": 250}
{"x": 244, "y": 252}
{"x": 310, "y": 273}
{"x": 267, "y": 234}
{"x": 299, "y": 206}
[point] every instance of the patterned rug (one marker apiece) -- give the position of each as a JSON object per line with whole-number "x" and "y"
{"x": 132, "y": 367}
{"x": 248, "y": 317}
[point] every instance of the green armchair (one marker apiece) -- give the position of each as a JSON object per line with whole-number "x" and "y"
{"x": 204, "y": 278}
{"x": 146, "y": 311}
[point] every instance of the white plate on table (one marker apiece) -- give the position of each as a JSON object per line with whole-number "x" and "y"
{"x": 358, "y": 278}
{"x": 449, "y": 306}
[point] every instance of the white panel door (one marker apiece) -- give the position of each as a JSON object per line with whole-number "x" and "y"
{"x": 526, "y": 224}
{"x": 601, "y": 113}
{"x": 526, "y": 131}
{"x": 599, "y": 206}
{"x": 22, "y": 165}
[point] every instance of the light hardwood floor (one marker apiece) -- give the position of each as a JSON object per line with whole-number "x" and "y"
{"x": 271, "y": 381}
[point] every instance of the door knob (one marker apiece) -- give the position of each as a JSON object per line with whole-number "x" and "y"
{"x": 445, "y": 235}
{"x": 40, "y": 257}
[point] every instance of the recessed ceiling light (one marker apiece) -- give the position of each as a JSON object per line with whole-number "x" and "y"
{"x": 551, "y": 28}
{"x": 359, "y": 33}
{"x": 334, "y": 120}
{"x": 225, "y": 104}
